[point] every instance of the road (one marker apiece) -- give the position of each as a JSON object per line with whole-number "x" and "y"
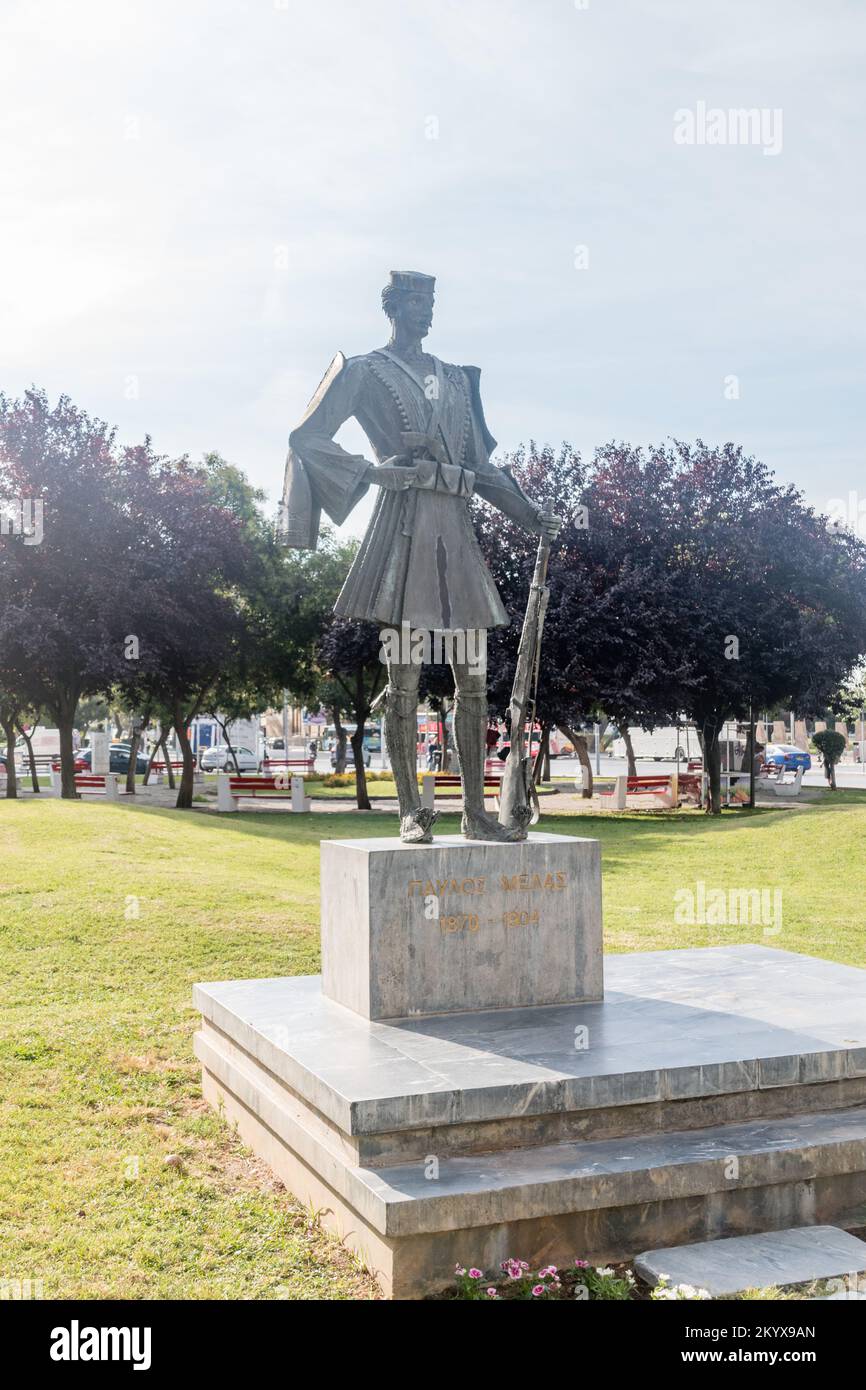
{"x": 847, "y": 774}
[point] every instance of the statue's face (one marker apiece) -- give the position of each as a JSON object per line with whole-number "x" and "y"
{"x": 415, "y": 313}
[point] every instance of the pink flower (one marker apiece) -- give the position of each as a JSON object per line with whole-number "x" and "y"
{"x": 476, "y": 1274}
{"x": 538, "y": 1290}
{"x": 491, "y": 1293}
{"x": 582, "y": 1264}
{"x": 458, "y": 1269}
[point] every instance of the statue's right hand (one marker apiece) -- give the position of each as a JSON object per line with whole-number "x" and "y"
{"x": 394, "y": 475}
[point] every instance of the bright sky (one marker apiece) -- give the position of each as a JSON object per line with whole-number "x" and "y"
{"x": 201, "y": 200}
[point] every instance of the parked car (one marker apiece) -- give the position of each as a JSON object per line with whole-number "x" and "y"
{"x": 786, "y": 755}
{"x": 118, "y": 759}
{"x": 350, "y": 757}
{"x": 219, "y": 759}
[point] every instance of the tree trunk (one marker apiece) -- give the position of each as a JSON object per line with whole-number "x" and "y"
{"x": 185, "y": 791}
{"x": 712, "y": 751}
{"x": 156, "y": 747}
{"x": 169, "y": 770}
{"x": 133, "y": 751}
{"x": 339, "y": 730}
{"x": 229, "y": 746}
{"x": 11, "y": 776}
{"x": 31, "y": 756}
{"x": 361, "y": 794}
{"x": 133, "y": 758}
{"x": 445, "y": 756}
{"x": 541, "y": 767}
{"x": 829, "y": 772}
{"x": 582, "y": 752}
{"x": 65, "y": 715}
{"x": 629, "y": 753}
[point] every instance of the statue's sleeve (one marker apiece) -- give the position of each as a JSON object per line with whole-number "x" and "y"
{"x": 320, "y": 475}
{"x": 496, "y": 485}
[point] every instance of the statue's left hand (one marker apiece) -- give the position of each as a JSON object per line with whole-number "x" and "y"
{"x": 548, "y": 524}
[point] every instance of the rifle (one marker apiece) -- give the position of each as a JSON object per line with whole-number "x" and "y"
{"x": 518, "y": 799}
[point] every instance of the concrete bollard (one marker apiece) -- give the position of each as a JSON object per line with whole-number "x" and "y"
{"x": 225, "y": 800}
{"x": 300, "y": 800}
{"x": 111, "y": 792}
{"x": 428, "y": 789}
{"x": 619, "y": 793}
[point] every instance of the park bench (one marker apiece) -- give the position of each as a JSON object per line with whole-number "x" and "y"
{"x": 279, "y": 786}
{"x": 667, "y": 785}
{"x": 301, "y": 765}
{"x": 431, "y": 780}
{"x": 664, "y": 785}
{"x": 159, "y": 766}
{"x": 689, "y": 784}
{"x": 784, "y": 783}
{"x": 89, "y": 784}
{"x": 609, "y": 789}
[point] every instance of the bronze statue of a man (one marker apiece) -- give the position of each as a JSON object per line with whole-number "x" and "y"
{"x": 419, "y": 562}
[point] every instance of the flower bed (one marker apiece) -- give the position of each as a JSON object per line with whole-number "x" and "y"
{"x": 515, "y": 1279}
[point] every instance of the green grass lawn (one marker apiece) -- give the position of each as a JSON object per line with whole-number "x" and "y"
{"x": 108, "y": 914}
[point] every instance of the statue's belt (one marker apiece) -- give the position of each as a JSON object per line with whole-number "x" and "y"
{"x": 433, "y": 476}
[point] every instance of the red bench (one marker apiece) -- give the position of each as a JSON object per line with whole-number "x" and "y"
{"x": 281, "y": 786}
{"x": 307, "y": 764}
{"x": 690, "y": 784}
{"x": 637, "y": 786}
{"x": 430, "y": 781}
{"x": 658, "y": 784}
{"x": 90, "y": 783}
{"x": 447, "y": 779}
{"x": 159, "y": 766}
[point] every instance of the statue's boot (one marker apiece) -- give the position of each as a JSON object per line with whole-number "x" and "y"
{"x": 470, "y": 735}
{"x": 401, "y": 733}
{"x": 416, "y": 826}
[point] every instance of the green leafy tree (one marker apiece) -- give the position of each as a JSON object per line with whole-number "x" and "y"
{"x": 831, "y": 746}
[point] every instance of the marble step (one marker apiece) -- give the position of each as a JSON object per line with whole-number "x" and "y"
{"x": 725, "y": 1267}
{"x": 543, "y": 1181}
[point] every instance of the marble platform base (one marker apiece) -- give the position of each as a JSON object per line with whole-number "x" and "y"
{"x": 714, "y": 1092}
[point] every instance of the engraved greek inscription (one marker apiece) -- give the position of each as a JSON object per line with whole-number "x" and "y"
{"x": 532, "y": 883}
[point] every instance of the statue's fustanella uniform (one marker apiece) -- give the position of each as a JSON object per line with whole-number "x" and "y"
{"x": 420, "y": 561}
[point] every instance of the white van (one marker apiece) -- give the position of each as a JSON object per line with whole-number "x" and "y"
{"x": 46, "y": 742}
{"x": 46, "y": 749}
{"x": 661, "y": 745}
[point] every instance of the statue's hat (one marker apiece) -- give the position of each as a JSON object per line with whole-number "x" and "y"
{"x": 412, "y": 280}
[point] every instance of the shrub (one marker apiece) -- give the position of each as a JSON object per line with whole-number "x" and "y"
{"x": 831, "y": 746}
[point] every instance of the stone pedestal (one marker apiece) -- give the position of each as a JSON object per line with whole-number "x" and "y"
{"x": 457, "y": 926}
{"x": 458, "y": 1092}
{"x": 715, "y": 1092}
